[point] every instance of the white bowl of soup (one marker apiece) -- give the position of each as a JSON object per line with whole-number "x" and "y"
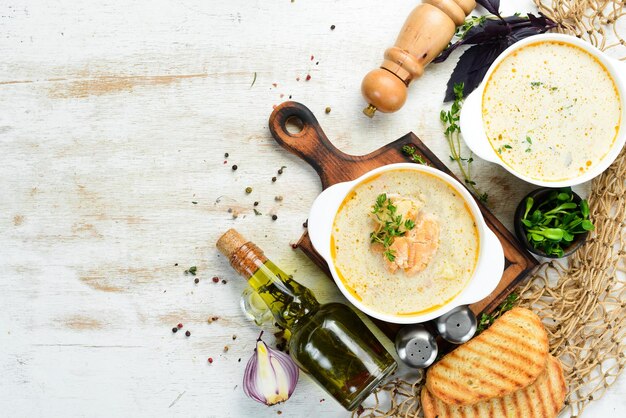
{"x": 550, "y": 111}
{"x": 406, "y": 243}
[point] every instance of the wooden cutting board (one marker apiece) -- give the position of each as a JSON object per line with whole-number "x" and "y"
{"x": 334, "y": 166}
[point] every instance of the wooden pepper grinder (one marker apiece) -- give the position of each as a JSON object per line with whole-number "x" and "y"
{"x": 426, "y": 32}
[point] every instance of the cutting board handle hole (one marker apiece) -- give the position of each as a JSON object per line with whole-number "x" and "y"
{"x": 294, "y": 125}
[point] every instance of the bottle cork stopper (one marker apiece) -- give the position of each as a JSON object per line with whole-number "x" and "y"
{"x": 230, "y": 242}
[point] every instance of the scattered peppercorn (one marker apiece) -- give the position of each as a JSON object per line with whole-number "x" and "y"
{"x": 279, "y": 412}
{"x": 224, "y": 281}
{"x": 234, "y": 337}
{"x": 332, "y": 27}
{"x": 210, "y": 360}
{"x": 327, "y": 110}
{"x": 175, "y": 264}
{"x": 306, "y": 223}
{"x": 248, "y": 190}
{"x": 280, "y": 171}
{"x": 234, "y": 167}
{"x": 274, "y": 217}
{"x": 174, "y": 330}
{"x": 195, "y": 203}
{"x": 216, "y": 279}
{"x": 179, "y": 325}
{"x": 278, "y": 198}
{"x": 294, "y": 246}
{"x": 308, "y": 77}
{"x": 215, "y": 318}
{"x": 290, "y": 96}
{"x": 226, "y": 349}
{"x": 225, "y": 155}
{"x": 256, "y": 203}
{"x": 196, "y": 280}
{"x": 239, "y": 361}
{"x": 273, "y": 179}
{"x": 187, "y": 334}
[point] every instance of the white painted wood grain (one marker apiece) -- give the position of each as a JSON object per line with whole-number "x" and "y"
{"x": 115, "y": 117}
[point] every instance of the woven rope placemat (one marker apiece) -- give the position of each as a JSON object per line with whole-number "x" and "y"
{"x": 583, "y": 305}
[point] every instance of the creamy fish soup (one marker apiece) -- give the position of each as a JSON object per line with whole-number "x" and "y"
{"x": 404, "y": 242}
{"x": 551, "y": 111}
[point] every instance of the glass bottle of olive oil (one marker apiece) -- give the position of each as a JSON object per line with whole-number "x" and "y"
{"x": 329, "y": 341}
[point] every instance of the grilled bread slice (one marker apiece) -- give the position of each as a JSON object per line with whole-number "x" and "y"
{"x": 506, "y": 357}
{"x": 543, "y": 398}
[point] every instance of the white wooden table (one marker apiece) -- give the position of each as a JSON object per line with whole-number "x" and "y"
{"x": 115, "y": 118}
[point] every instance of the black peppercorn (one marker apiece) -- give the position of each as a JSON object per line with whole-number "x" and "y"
{"x": 174, "y": 330}
{"x": 234, "y": 167}
{"x": 226, "y": 155}
{"x": 256, "y": 203}
{"x": 248, "y": 190}
{"x": 273, "y": 179}
{"x": 196, "y": 280}
{"x": 332, "y": 27}
{"x": 187, "y": 334}
{"x": 274, "y": 217}
{"x": 280, "y": 171}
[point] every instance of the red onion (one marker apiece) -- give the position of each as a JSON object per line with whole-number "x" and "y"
{"x": 270, "y": 375}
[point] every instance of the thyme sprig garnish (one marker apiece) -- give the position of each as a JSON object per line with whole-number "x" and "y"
{"x": 390, "y": 225}
{"x": 470, "y": 22}
{"x": 486, "y": 320}
{"x": 411, "y": 152}
{"x": 452, "y": 131}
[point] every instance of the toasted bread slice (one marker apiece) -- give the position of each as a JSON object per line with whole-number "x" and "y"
{"x": 506, "y": 357}
{"x": 543, "y": 398}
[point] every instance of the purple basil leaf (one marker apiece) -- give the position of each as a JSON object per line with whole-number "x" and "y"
{"x": 522, "y": 33}
{"x": 446, "y": 52}
{"x": 513, "y": 20}
{"x": 473, "y": 66}
{"x": 492, "y": 6}
{"x": 489, "y": 31}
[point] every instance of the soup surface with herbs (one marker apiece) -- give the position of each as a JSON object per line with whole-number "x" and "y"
{"x": 551, "y": 111}
{"x": 404, "y": 242}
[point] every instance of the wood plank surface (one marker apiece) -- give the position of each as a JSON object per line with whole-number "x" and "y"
{"x": 115, "y": 119}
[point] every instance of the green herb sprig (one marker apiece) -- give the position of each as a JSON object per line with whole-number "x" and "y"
{"x": 487, "y": 319}
{"x": 452, "y": 131}
{"x": 411, "y": 152}
{"x": 551, "y": 225}
{"x": 390, "y": 225}
{"x": 470, "y": 22}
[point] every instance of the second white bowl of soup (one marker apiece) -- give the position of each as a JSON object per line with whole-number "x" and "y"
{"x": 550, "y": 111}
{"x": 406, "y": 243}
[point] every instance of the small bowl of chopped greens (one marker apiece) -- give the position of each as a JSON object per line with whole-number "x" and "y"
{"x": 552, "y": 223}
